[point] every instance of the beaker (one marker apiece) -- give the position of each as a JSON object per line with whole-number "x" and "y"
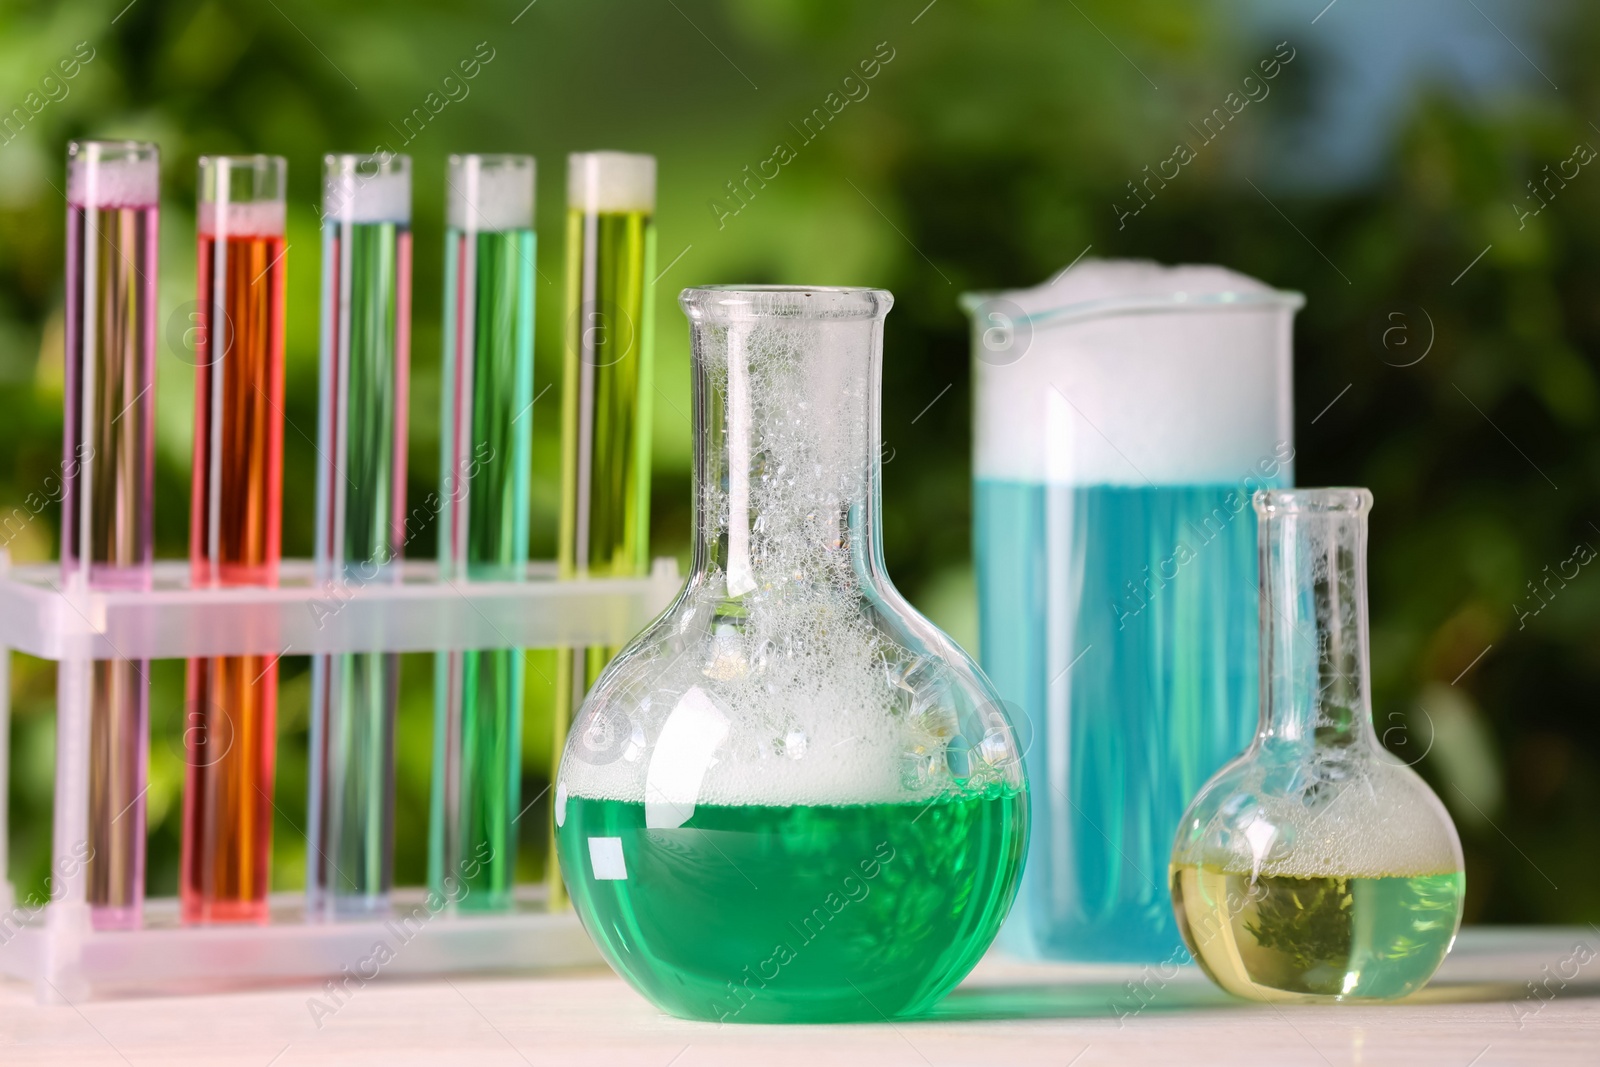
{"x": 1317, "y": 865}
{"x": 1125, "y": 412}
{"x": 792, "y": 798}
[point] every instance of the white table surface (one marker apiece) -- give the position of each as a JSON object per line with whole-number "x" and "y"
{"x": 1478, "y": 1012}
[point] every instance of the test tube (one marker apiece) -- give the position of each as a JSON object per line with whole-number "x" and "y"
{"x": 107, "y": 481}
{"x": 235, "y": 526}
{"x": 360, "y": 514}
{"x": 608, "y": 378}
{"x": 486, "y": 426}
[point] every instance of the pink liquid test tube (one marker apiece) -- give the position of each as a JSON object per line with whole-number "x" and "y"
{"x": 106, "y": 485}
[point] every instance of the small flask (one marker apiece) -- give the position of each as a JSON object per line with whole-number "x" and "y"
{"x": 791, "y": 799}
{"x": 1316, "y": 866}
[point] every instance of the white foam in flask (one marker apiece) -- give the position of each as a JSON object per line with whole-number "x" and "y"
{"x": 1123, "y": 372}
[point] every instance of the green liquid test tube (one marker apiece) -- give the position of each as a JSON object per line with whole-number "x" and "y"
{"x": 360, "y": 535}
{"x": 486, "y": 431}
{"x": 608, "y": 381}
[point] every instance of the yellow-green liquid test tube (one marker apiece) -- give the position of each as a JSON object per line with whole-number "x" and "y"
{"x": 608, "y": 382}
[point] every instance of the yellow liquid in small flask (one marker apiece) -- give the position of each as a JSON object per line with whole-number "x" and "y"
{"x": 1317, "y": 866}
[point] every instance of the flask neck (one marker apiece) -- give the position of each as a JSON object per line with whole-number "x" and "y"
{"x": 787, "y": 387}
{"x": 1314, "y": 650}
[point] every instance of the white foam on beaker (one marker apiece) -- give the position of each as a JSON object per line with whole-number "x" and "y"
{"x": 250, "y": 218}
{"x": 611, "y": 181}
{"x": 359, "y": 192}
{"x": 1133, "y": 373}
{"x": 491, "y": 194}
{"x": 820, "y": 707}
{"x": 113, "y": 183}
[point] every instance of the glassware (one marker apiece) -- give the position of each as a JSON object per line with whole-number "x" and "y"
{"x": 107, "y": 483}
{"x": 608, "y": 395}
{"x": 486, "y": 438}
{"x": 1316, "y": 866}
{"x": 791, "y": 799}
{"x": 235, "y": 531}
{"x": 360, "y": 522}
{"x": 1124, "y": 414}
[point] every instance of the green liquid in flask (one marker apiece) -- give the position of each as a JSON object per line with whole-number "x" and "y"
{"x": 810, "y": 913}
{"x": 1283, "y": 938}
{"x": 790, "y": 799}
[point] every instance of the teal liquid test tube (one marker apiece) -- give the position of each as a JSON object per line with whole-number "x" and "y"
{"x": 486, "y": 434}
{"x": 360, "y": 532}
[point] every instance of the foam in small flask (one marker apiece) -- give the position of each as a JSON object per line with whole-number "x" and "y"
{"x": 791, "y": 755}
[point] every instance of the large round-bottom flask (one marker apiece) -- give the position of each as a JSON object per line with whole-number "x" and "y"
{"x": 791, "y": 798}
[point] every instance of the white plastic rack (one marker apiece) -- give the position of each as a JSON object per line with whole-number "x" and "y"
{"x": 57, "y": 949}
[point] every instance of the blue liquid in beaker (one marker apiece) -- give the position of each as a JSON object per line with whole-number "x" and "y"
{"x": 1122, "y": 620}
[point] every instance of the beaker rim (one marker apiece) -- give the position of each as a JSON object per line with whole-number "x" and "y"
{"x": 740, "y": 302}
{"x": 1352, "y": 499}
{"x": 1140, "y": 304}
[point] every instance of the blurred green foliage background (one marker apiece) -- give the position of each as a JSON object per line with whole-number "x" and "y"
{"x": 995, "y": 144}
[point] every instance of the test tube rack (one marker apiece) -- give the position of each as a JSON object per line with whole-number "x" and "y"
{"x": 57, "y": 948}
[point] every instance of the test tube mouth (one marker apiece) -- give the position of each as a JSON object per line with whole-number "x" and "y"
{"x": 112, "y": 174}
{"x": 491, "y": 192}
{"x": 365, "y": 187}
{"x": 611, "y": 182}
{"x": 741, "y": 303}
{"x": 1350, "y": 501}
{"x": 242, "y": 196}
